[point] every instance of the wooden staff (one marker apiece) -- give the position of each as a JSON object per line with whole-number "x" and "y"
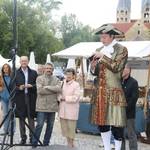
{"x": 82, "y": 69}
{"x": 147, "y": 89}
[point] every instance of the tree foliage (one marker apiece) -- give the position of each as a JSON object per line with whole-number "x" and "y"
{"x": 36, "y": 29}
{"x": 73, "y": 31}
{"x": 34, "y": 33}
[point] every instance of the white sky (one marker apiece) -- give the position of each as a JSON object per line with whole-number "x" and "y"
{"x": 96, "y": 12}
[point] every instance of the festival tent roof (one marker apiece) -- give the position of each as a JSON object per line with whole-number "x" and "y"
{"x": 48, "y": 58}
{"x": 144, "y": 52}
{"x": 85, "y": 49}
{"x": 32, "y": 63}
{"x": 3, "y": 60}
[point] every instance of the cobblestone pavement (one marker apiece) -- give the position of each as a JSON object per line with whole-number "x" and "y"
{"x": 82, "y": 141}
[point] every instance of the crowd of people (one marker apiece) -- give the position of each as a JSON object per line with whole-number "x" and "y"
{"x": 41, "y": 95}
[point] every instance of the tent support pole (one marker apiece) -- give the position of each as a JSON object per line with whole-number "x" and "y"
{"x": 147, "y": 89}
{"x": 82, "y": 69}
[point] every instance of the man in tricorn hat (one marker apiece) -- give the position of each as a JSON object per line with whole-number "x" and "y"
{"x": 108, "y": 103}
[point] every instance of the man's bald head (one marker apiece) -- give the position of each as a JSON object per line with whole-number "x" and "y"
{"x": 24, "y": 58}
{"x": 24, "y": 61}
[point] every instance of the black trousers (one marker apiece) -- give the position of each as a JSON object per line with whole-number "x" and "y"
{"x": 30, "y": 121}
{"x": 118, "y": 132}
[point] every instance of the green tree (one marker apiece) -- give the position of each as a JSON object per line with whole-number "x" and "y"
{"x": 73, "y": 31}
{"x": 34, "y": 33}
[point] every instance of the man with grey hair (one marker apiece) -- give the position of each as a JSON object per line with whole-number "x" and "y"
{"x": 25, "y": 97}
{"x": 48, "y": 87}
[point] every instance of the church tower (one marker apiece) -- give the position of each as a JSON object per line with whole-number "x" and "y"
{"x": 146, "y": 11}
{"x": 123, "y": 11}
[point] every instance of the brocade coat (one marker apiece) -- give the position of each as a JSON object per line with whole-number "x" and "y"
{"x": 108, "y": 100}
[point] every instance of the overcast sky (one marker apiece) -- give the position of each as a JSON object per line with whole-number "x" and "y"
{"x": 97, "y": 12}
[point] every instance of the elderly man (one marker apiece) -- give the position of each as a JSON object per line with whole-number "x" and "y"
{"x": 48, "y": 88}
{"x": 25, "y": 97}
{"x": 108, "y": 104}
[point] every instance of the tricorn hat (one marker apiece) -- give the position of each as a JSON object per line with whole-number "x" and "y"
{"x": 108, "y": 29}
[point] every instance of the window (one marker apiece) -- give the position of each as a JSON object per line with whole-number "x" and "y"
{"x": 122, "y": 11}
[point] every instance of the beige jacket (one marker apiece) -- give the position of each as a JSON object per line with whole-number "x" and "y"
{"x": 48, "y": 87}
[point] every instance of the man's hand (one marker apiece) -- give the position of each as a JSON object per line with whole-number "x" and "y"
{"x": 98, "y": 55}
{"x": 21, "y": 87}
{"x": 46, "y": 87}
{"x": 28, "y": 86}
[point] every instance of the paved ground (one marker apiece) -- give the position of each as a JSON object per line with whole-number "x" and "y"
{"x": 82, "y": 141}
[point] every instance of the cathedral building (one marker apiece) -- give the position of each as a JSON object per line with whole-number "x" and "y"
{"x": 135, "y": 30}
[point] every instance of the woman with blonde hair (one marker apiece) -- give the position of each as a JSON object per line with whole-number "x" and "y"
{"x": 69, "y": 106}
{"x": 5, "y": 78}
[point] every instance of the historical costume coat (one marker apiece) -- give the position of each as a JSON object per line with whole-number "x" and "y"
{"x": 108, "y": 101}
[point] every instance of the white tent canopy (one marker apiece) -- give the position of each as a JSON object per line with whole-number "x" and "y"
{"x": 3, "y": 60}
{"x": 71, "y": 63}
{"x": 17, "y": 63}
{"x": 48, "y": 58}
{"x": 85, "y": 49}
{"x": 32, "y": 63}
{"x": 144, "y": 52}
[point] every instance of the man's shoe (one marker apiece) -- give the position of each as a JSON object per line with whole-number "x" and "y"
{"x": 3, "y": 133}
{"x": 45, "y": 144}
{"x": 101, "y": 145}
{"x": 34, "y": 146}
{"x": 30, "y": 141}
{"x": 22, "y": 142}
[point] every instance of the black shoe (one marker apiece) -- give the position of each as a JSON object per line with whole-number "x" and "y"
{"x": 30, "y": 141}
{"x": 22, "y": 142}
{"x": 45, "y": 144}
{"x": 34, "y": 146}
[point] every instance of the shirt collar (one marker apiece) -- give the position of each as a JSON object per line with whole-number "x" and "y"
{"x": 111, "y": 44}
{"x": 25, "y": 69}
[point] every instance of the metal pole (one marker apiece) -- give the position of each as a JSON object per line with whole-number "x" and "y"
{"x": 13, "y": 51}
{"x": 15, "y": 39}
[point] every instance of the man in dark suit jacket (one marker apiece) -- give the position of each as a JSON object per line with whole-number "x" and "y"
{"x": 25, "y": 97}
{"x": 130, "y": 87}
